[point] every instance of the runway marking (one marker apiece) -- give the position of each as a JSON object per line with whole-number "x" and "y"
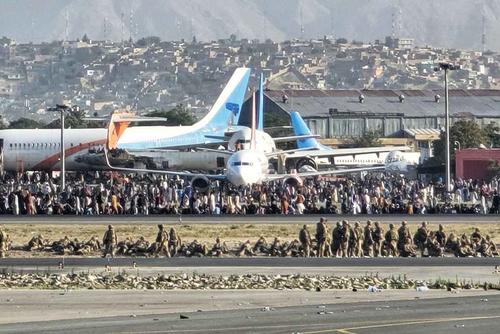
{"x": 404, "y": 323}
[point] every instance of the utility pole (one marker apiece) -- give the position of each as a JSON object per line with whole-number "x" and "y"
{"x": 62, "y": 109}
{"x": 447, "y": 67}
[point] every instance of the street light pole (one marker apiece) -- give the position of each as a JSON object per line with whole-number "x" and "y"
{"x": 63, "y": 153}
{"x": 447, "y": 67}
{"x": 447, "y": 130}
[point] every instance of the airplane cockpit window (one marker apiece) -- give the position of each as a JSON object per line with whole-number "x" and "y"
{"x": 240, "y": 163}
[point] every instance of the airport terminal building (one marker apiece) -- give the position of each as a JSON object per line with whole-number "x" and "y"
{"x": 409, "y": 117}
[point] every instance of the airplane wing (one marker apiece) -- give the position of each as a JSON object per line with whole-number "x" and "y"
{"x": 292, "y": 138}
{"x": 345, "y": 151}
{"x": 274, "y": 177}
{"x": 160, "y": 171}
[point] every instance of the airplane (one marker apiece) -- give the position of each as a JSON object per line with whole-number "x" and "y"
{"x": 39, "y": 149}
{"x": 314, "y": 154}
{"x": 244, "y": 167}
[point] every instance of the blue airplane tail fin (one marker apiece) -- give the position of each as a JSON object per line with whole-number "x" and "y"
{"x": 300, "y": 129}
{"x": 226, "y": 110}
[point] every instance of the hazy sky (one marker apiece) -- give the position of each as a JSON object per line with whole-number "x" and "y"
{"x": 453, "y": 23}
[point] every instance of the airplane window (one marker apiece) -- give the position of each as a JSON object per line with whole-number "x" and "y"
{"x": 237, "y": 163}
{"x": 11, "y": 145}
{"x": 24, "y": 145}
{"x": 71, "y": 144}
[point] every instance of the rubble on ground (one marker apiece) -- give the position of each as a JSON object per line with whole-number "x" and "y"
{"x": 123, "y": 280}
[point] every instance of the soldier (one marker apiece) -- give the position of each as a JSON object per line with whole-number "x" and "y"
{"x": 94, "y": 244}
{"x": 476, "y": 236}
{"x": 421, "y": 237}
{"x": 346, "y": 236}
{"x": 123, "y": 246}
{"x": 246, "y": 249}
{"x": 219, "y": 248}
{"x": 433, "y": 246}
{"x": 403, "y": 234}
{"x": 492, "y": 245}
{"x": 162, "y": 242}
{"x": 441, "y": 236}
{"x": 408, "y": 249}
{"x": 261, "y": 246}
{"x": 391, "y": 239}
{"x": 305, "y": 241}
{"x": 336, "y": 239}
{"x": 36, "y": 243}
{"x": 368, "y": 239}
{"x": 452, "y": 244}
{"x": 378, "y": 237}
{"x": 358, "y": 240}
{"x": 276, "y": 248}
{"x": 174, "y": 242}
{"x": 321, "y": 232}
{"x": 3, "y": 243}
{"x": 109, "y": 242}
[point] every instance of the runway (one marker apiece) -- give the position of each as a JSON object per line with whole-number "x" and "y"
{"x": 466, "y": 314}
{"x": 254, "y": 262}
{"x": 245, "y": 219}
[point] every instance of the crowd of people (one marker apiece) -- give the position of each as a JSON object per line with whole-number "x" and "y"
{"x": 108, "y": 193}
{"x": 344, "y": 239}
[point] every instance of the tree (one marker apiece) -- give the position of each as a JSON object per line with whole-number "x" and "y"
{"x": 370, "y": 138}
{"x": 72, "y": 119}
{"x": 492, "y": 134}
{"x": 25, "y": 123}
{"x": 466, "y": 132}
{"x": 176, "y": 116}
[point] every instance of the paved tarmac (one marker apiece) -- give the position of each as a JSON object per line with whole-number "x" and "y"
{"x": 468, "y": 314}
{"x": 272, "y": 262}
{"x": 248, "y": 219}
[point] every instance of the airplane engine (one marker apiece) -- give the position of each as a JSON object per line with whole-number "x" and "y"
{"x": 395, "y": 162}
{"x": 293, "y": 181}
{"x": 200, "y": 183}
{"x": 306, "y": 165}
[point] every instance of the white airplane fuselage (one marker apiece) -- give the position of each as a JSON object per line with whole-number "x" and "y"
{"x": 247, "y": 167}
{"x": 40, "y": 149}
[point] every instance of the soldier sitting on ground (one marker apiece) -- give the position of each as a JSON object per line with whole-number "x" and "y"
{"x": 36, "y": 243}
{"x": 294, "y": 248}
{"x": 276, "y": 248}
{"x": 492, "y": 245}
{"x": 452, "y": 244}
{"x": 441, "y": 236}
{"x": 408, "y": 249}
{"x": 174, "y": 241}
{"x": 261, "y": 246}
{"x": 420, "y": 237}
{"x": 140, "y": 248}
{"x": 245, "y": 249}
{"x": 194, "y": 248}
{"x": 464, "y": 247}
{"x": 219, "y": 248}
{"x": 122, "y": 248}
{"x": 434, "y": 249}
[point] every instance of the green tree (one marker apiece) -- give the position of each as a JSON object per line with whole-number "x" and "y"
{"x": 25, "y": 123}
{"x": 176, "y": 116}
{"x": 466, "y": 132}
{"x": 73, "y": 119}
{"x": 370, "y": 138}
{"x": 491, "y": 133}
